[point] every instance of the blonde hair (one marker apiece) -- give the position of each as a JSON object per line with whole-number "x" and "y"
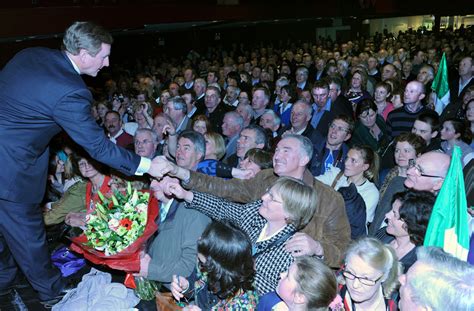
{"x": 299, "y": 200}
{"x": 371, "y": 158}
{"x": 381, "y": 257}
{"x": 218, "y": 142}
{"x": 316, "y": 281}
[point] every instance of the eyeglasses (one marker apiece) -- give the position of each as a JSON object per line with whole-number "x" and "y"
{"x": 351, "y": 276}
{"x": 338, "y": 128}
{"x": 145, "y": 142}
{"x": 272, "y": 198}
{"x": 412, "y": 164}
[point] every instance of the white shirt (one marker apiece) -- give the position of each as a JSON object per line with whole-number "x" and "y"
{"x": 368, "y": 191}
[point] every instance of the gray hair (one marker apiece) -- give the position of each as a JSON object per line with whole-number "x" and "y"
{"x": 282, "y": 81}
{"x": 201, "y": 82}
{"x": 178, "y": 104}
{"x": 448, "y": 284}
{"x": 141, "y": 130}
{"x": 307, "y": 106}
{"x": 87, "y": 36}
{"x": 343, "y": 63}
{"x": 380, "y": 257}
{"x": 305, "y": 144}
{"x": 260, "y": 136}
{"x": 197, "y": 139}
{"x": 248, "y": 109}
{"x": 276, "y": 118}
{"x": 237, "y": 118}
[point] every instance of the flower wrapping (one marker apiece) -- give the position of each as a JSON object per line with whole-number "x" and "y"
{"x": 109, "y": 240}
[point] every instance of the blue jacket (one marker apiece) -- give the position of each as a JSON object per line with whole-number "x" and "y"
{"x": 41, "y": 94}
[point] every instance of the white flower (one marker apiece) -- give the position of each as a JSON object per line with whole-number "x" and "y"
{"x": 113, "y": 224}
{"x": 142, "y": 207}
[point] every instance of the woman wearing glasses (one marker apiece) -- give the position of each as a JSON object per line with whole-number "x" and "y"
{"x": 370, "y": 129}
{"x": 369, "y": 277}
{"x": 285, "y": 208}
{"x": 81, "y": 197}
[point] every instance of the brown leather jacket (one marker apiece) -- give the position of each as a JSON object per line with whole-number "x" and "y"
{"x": 329, "y": 224}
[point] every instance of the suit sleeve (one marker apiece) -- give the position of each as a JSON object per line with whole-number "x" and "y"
{"x": 73, "y": 114}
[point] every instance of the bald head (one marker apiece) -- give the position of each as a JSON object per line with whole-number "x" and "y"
{"x": 429, "y": 172}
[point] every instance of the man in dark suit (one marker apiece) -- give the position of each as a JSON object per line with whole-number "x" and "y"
{"x": 42, "y": 92}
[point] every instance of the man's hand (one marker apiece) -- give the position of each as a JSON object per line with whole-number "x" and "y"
{"x": 172, "y": 187}
{"x": 145, "y": 260}
{"x": 302, "y": 244}
{"x": 243, "y": 174}
{"x": 160, "y": 166}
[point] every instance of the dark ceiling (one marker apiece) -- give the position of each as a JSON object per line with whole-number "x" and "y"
{"x": 36, "y": 19}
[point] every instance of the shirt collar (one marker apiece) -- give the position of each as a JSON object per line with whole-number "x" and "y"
{"x": 73, "y": 63}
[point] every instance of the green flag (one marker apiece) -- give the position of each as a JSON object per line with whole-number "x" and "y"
{"x": 448, "y": 227}
{"x": 440, "y": 86}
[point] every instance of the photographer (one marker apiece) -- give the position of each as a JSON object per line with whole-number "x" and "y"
{"x": 141, "y": 112}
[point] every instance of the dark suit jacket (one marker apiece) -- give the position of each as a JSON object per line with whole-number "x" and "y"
{"x": 40, "y": 94}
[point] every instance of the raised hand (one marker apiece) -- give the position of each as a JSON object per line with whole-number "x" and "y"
{"x": 160, "y": 166}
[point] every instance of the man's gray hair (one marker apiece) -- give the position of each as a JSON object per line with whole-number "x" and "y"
{"x": 260, "y": 136}
{"x": 282, "y": 81}
{"x": 237, "y": 119}
{"x": 305, "y": 144}
{"x": 248, "y": 109}
{"x": 201, "y": 82}
{"x": 179, "y": 104}
{"x": 197, "y": 139}
{"x": 143, "y": 130}
{"x": 87, "y": 36}
{"x": 448, "y": 283}
{"x": 276, "y": 118}
{"x": 307, "y": 106}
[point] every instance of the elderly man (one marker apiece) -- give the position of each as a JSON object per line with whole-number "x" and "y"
{"x": 401, "y": 119}
{"x": 270, "y": 120}
{"x": 428, "y": 171}
{"x": 231, "y": 96}
{"x": 250, "y": 137}
{"x": 200, "y": 90}
{"x": 177, "y": 110}
{"x": 300, "y": 118}
{"x": 328, "y": 233}
{"x": 246, "y": 112}
{"x": 146, "y": 142}
{"x": 232, "y": 125}
{"x": 437, "y": 281}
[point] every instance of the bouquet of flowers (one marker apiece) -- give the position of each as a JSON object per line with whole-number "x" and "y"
{"x": 117, "y": 230}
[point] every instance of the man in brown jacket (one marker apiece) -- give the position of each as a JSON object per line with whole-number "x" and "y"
{"x": 326, "y": 236}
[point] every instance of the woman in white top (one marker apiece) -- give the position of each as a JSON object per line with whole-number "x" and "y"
{"x": 361, "y": 169}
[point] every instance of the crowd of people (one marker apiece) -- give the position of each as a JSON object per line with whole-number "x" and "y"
{"x": 290, "y": 177}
